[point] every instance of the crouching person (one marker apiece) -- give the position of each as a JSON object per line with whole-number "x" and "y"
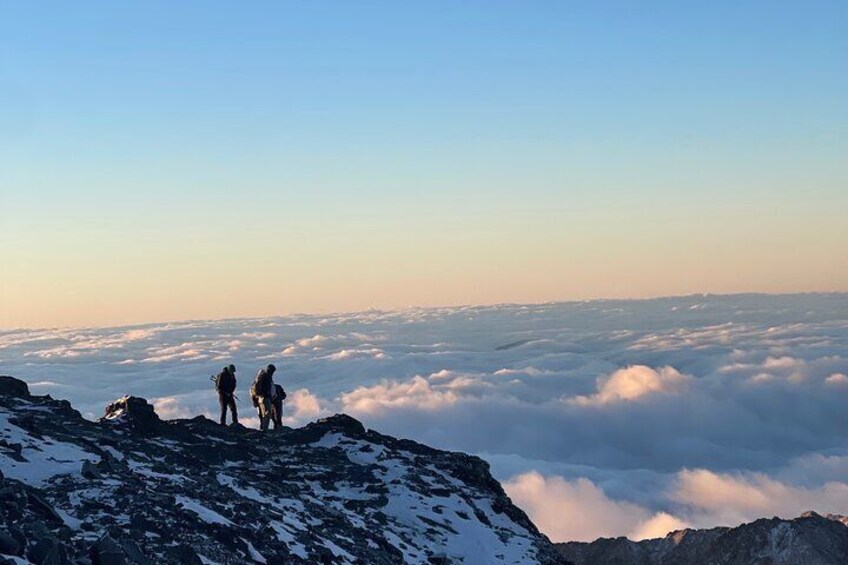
{"x": 262, "y": 393}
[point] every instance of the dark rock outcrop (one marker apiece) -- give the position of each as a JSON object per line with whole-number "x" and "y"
{"x": 10, "y": 386}
{"x": 134, "y": 413}
{"x": 134, "y": 489}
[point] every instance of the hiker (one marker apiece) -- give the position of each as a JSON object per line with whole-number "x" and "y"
{"x": 262, "y": 392}
{"x": 225, "y": 384}
{"x": 277, "y": 406}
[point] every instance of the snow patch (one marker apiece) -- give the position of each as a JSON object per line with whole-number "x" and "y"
{"x": 206, "y": 514}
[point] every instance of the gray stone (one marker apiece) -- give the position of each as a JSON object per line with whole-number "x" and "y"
{"x": 90, "y": 470}
{"x": 106, "y": 551}
{"x": 47, "y": 551}
{"x": 134, "y": 554}
{"x": 8, "y": 544}
{"x": 184, "y": 555}
{"x": 42, "y": 507}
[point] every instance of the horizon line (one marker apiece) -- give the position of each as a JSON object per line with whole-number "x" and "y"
{"x": 4, "y": 330}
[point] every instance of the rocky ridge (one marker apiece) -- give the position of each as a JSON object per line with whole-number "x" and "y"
{"x": 134, "y": 489}
{"x": 810, "y": 539}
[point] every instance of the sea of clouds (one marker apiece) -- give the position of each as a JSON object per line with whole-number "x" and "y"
{"x": 601, "y": 418}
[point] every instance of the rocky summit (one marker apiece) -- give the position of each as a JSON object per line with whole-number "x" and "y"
{"x": 810, "y": 539}
{"x": 134, "y": 489}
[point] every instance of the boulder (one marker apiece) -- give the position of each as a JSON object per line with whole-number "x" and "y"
{"x": 10, "y": 386}
{"x": 184, "y": 555}
{"x": 106, "y": 551}
{"x": 48, "y": 551}
{"x": 90, "y": 470}
{"x": 440, "y": 558}
{"x": 43, "y": 508}
{"x": 8, "y": 544}
{"x": 135, "y": 413}
{"x": 341, "y": 423}
{"x": 134, "y": 554}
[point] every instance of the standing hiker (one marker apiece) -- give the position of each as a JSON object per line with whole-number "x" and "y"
{"x": 262, "y": 392}
{"x": 225, "y": 384}
{"x": 277, "y": 406}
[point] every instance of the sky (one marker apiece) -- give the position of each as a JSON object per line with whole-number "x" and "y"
{"x": 600, "y": 418}
{"x": 164, "y": 161}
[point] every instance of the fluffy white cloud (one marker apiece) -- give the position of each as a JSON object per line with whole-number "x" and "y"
{"x": 300, "y": 407}
{"x": 416, "y": 393}
{"x": 580, "y": 511}
{"x": 173, "y": 407}
{"x": 786, "y": 368}
{"x": 837, "y": 379}
{"x": 345, "y": 354}
{"x": 313, "y": 343}
{"x": 182, "y": 352}
{"x": 45, "y": 385}
{"x": 732, "y": 499}
{"x": 657, "y": 526}
{"x": 634, "y": 382}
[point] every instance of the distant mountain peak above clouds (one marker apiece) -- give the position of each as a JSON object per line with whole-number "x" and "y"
{"x": 810, "y": 539}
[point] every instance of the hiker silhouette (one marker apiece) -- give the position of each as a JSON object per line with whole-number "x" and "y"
{"x": 277, "y": 406}
{"x": 225, "y": 384}
{"x": 262, "y": 393}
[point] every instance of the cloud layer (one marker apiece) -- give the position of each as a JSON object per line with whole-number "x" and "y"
{"x": 602, "y": 417}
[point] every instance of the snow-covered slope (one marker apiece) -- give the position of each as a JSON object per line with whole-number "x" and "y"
{"x": 132, "y": 488}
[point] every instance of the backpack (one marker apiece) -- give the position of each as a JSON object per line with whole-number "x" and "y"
{"x": 257, "y": 389}
{"x": 281, "y": 392}
{"x": 260, "y": 385}
{"x": 253, "y": 397}
{"x": 225, "y": 382}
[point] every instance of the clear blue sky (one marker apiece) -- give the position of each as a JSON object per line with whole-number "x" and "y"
{"x": 390, "y": 153}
